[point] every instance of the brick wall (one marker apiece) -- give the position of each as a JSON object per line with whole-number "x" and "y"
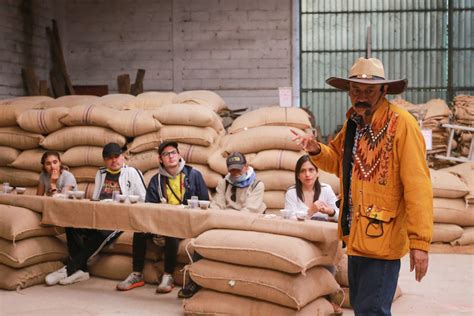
{"x": 239, "y": 48}
{"x": 23, "y": 42}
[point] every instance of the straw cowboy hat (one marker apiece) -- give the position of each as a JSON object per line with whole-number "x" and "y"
{"x": 368, "y": 71}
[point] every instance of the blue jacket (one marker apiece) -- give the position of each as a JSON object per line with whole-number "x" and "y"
{"x": 193, "y": 183}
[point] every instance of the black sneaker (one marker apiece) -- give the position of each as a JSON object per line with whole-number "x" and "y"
{"x": 189, "y": 290}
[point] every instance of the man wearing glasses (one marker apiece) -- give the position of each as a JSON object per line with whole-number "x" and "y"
{"x": 175, "y": 183}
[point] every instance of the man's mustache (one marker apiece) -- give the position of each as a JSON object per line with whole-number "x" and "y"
{"x": 363, "y": 105}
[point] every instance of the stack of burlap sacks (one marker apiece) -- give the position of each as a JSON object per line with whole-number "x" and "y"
{"x": 433, "y": 114}
{"x": 20, "y": 141}
{"x": 255, "y": 273}
{"x": 28, "y": 250}
{"x": 453, "y": 190}
{"x": 264, "y": 136}
{"x": 464, "y": 115}
{"x": 192, "y": 121}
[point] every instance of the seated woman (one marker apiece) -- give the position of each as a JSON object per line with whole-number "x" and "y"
{"x": 54, "y": 177}
{"x": 309, "y": 195}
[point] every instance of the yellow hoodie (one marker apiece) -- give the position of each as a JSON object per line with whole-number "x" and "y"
{"x": 392, "y": 198}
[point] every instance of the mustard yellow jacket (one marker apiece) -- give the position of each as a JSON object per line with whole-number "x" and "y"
{"x": 391, "y": 189}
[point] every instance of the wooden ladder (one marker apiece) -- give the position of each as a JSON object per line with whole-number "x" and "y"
{"x": 452, "y": 128}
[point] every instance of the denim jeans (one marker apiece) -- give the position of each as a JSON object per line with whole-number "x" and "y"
{"x": 372, "y": 285}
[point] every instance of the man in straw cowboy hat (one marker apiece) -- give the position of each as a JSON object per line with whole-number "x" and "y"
{"x": 387, "y": 199}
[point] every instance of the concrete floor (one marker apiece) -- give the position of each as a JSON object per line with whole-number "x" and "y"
{"x": 448, "y": 289}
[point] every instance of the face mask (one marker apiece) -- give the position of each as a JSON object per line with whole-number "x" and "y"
{"x": 239, "y": 178}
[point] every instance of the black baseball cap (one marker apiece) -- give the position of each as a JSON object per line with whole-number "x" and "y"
{"x": 165, "y": 144}
{"x": 236, "y": 161}
{"x": 111, "y": 149}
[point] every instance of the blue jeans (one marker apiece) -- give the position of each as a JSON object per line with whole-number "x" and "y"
{"x": 372, "y": 285}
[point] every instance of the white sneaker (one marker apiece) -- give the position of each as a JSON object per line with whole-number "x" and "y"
{"x": 54, "y": 277}
{"x": 166, "y": 285}
{"x": 77, "y": 276}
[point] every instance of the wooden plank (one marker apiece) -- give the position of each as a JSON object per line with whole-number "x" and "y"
{"x": 57, "y": 83}
{"x": 30, "y": 81}
{"x": 123, "y": 83}
{"x": 60, "y": 55}
{"x": 137, "y": 87}
{"x": 43, "y": 88}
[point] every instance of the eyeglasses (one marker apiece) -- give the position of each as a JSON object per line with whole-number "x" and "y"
{"x": 169, "y": 153}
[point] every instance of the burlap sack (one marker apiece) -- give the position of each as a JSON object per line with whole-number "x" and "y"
{"x": 207, "y": 302}
{"x": 262, "y": 138}
{"x": 436, "y": 108}
{"x": 133, "y": 123}
{"x": 453, "y": 211}
{"x": 119, "y": 101}
{"x": 84, "y": 173}
{"x": 274, "y": 199}
{"x": 272, "y": 115}
{"x": 68, "y": 101}
{"x": 291, "y": 290}
{"x": 30, "y": 251}
{"x": 18, "y": 138}
{"x": 18, "y": 177}
{"x": 276, "y": 159}
{"x": 89, "y": 114}
{"x": 124, "y": 246}
{"x": 341, "y": 298}
{"x": 467, "y": 238}
{"x": 14, "y": 279}
{"x": 447, "y": 185}
{"x": 197, "y": 154}
{"x": 83, "y": 156}
{"x": 448, "y": 248}
{"x": 204, "y": 136}
{"x": 29, "y": 160}
{"x": 8, "y": 155}
{"x": 342, "y": 276}
{"x": 10, "y": 109}
{"x": 118, "y": 267}
{"x": 278, "y": 180}
{"x": 152, "y": 99}
{"x": 255, "y": 249}
{"x": 211, "y": 177}
{"x": 17, "y": 223}
{"x": 42, "y": 121}
{"x": 144, "y": 161}
{"x": 189, "y": 115}
{"x": 330, "y": 179}
{"x": 87, "y": 187}
{"x": 465, "y": 171}
{"x": 204, "y": 97}
{"x": 185, "y": 251}
{"x": 446, "y": 232}
{"x": 149, "y": 174}
{"x": 69, "y": 137}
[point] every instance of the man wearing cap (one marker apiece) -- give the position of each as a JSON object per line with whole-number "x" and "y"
{"x": 239, "y": 190}
{"x": 387, "y": 200}
{"x": 175, "y": 183}
{"x": 115, "y": 176}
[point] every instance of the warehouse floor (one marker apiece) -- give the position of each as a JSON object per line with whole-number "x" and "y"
{"x": 448, "y": 289}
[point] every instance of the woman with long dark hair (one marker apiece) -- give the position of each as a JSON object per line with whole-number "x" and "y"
{"x": 309, "y": 195}
{"x": 54, "y": 177}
